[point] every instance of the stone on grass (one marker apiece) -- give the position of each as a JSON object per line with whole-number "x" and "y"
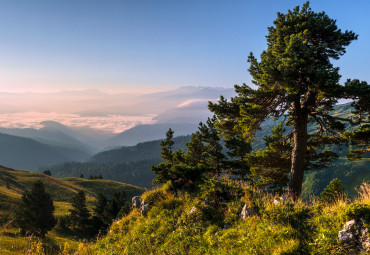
{"x": 246, "y": 212}
{"x": 135, "y": 202}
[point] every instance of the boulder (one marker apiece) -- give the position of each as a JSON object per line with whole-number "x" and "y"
{"x": 246, "y": 212}
{"x": 353, "y": 227}
{"x": 345, "y": 236}
{"x": 355, "y": 233}
{"x": 366, "y": 245}
{"x": 135, "y": 202}
{"x": 282, "y": 200}
{"x": 144, "y": 208}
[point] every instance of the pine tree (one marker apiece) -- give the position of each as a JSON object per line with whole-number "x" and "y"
{"x": 195, "y": 150}
{"x": 212, "y": 149}
{"x": 238, "y": 150}
{"x": 175, "y": 168}
{"x": 114, "y": 206}
{"x": 35, "y": 215}
{"x": 271, "y": 166}
{"x": 79, "y": 214}
{"x": 294, "y": 76}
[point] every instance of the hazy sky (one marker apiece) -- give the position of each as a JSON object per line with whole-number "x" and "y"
{"x": 151, "y": 45}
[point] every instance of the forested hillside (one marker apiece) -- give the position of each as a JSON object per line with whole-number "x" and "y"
{"x": 25, "y": 153}
{"x": 132, "y": 164}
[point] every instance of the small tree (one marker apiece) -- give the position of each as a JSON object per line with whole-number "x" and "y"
{"x": 175, "y": 167}
{"x": 47, "y": 172}
{"x": 79, "y": 213}
{"x": 332, "y": 192}
{"x": 35, "y": 215}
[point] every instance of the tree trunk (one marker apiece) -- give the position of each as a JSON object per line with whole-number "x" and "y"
{"x": 298, "y": 154}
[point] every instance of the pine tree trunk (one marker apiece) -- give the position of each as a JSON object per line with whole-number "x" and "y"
{"x": 298, "y": 155}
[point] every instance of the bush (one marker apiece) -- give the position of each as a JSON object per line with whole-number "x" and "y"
{"x": 333, "y": 192}
{"x": 357, "y": 211}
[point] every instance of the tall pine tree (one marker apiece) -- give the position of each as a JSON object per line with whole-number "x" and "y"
{"x": 79, "y": 214}
{"x": 35, "y": 215}
{"x": 294, "y": 76}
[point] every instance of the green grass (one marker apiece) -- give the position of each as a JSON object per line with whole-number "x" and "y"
{"x": 14, "y": 182}
{"x": 169, "y": 228}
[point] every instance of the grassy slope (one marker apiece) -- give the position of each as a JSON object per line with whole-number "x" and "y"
{"x": 14, "y": 182}
{"x": 170, "y": 228}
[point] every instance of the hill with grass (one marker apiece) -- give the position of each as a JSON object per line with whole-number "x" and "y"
{"x": 62, "y": 190}
{"x": 14, "y": 182}
{"x": 224, "y": 217}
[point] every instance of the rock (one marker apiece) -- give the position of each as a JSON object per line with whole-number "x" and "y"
{"x": 366, "y": 245}
{"x": 193, "y": 210}
{"x": 135, "y": 202}
{"x": 282, "y": 200}
{"x": 353, "y": 227}
{"x": 345, "y": 237}
{"x": 144, "y": 208}
{"x": 363, "y": 221}
{"x": 355, "y": 233}
{"x": 285, "y": 199}
{"x": 364, "y": 233}
{"x": 246, "y": 212}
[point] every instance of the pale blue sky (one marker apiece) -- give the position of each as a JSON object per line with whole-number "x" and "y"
{"x": 151, "y": 45}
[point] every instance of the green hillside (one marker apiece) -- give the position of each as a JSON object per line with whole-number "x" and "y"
{"x": 25, "y": 153}
{"x": 132, "y": 164}
{"x": 14, "y": 182}
{"x": 184, "y": 223}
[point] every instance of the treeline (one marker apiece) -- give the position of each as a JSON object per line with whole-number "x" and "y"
{"x": 137, "y": 173}
{"x": 127, "y": 164}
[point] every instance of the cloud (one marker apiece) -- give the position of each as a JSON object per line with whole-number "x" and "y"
{"x": 195, "y": 101}
{"x": 109, "y": 123}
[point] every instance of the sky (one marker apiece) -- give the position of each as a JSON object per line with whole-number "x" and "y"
{"x": 143, "y": 46}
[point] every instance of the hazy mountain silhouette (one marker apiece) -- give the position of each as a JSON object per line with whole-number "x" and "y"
{"x": 56, "y": 134}
{"x": 25, "y": 153}
{"x": 143, "y": 133}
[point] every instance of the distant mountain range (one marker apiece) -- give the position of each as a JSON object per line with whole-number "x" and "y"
{"x": 26, "y": 153}
{"x": 143, "y": 133}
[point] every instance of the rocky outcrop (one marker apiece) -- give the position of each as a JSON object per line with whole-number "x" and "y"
{"x": 355, "y": 236}
{"x": 246, "y": 212}
{"x": 136, "y": 202}
{"x": 144, "y": 208}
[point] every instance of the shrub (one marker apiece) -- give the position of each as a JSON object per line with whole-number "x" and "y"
{"x": 333, "y": 192}
{"x": 357, "y": 211}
